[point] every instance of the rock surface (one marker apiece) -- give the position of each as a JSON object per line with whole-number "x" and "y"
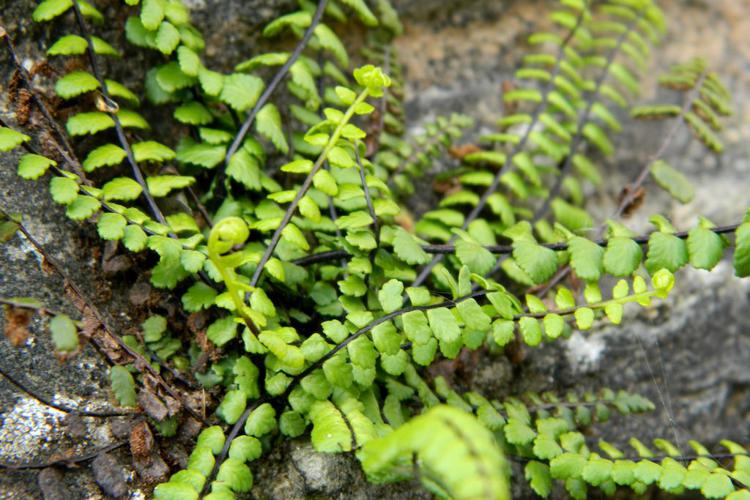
{"x": 688, "y": 355}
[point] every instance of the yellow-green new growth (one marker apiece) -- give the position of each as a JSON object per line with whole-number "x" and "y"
{"x": 373, "y": 80}
{"x": 225, "y": 235}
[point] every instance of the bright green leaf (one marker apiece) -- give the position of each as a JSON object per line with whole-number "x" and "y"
{"x": 64, "y": 333}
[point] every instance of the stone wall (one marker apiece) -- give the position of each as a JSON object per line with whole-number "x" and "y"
{"x": 689, "y": 355}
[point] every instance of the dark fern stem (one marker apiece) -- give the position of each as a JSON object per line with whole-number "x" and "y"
{"x": 111, "y": 110}
{"x": 91, "y": 308}
{"x": 66, "y": 150}
{"x": 448, "y": 249}
{"x": 277, "y": 79}
{"x": 61, "y": 407}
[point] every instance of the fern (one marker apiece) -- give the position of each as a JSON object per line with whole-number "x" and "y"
{"x": 478, "y": 470}
{"x": 282, "y": 222}
{"x": 411, "y": 160}
{"x": 706, "y": 102}
{"x": 565, "y": 85}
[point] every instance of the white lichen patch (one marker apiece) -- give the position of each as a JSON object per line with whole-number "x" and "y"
{"x": 87, "y": 364}
{"x": 63, "y": 400}
{"x": 28, "y": 429}
{"x": 585, "y": 352}
{"x": 101, "y": 433}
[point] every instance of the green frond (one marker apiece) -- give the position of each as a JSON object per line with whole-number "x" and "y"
{"x": 285, "y": 223}
{"x": 655, "y": 112}
{"x": 476, "y": 468}
{"x": 703, "y": 132}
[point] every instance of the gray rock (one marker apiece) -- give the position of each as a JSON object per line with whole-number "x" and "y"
{"x": 294, "y": 470}
{"x": 52, "y": 484}
{"x": 321, "y": 473}
{"x": 151, "y": 470}
{"x": 109, "y": 475}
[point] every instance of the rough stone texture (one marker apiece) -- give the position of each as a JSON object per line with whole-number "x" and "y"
{"x": 109, "y": 475}
{"x": 689, "y": 354}
{"x": 293, "y": 470}
{"x": 52, "y": 485}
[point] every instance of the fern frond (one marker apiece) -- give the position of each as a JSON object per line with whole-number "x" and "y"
{"x": 707, "y": 101}
{"x": 476, "y": 467}
{"x": 670, "y": 470}
{"x": 409, "y": 161}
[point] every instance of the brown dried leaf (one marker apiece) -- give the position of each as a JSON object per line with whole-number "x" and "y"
{"x": 45, "y": 68}
{"x": 17, "y": 322}
{"x": 636, "y": 199}
{"x": 23, "y": 107}
{"x": 197, "y": 321}
{"x": 458, "y": 152}
{"x": 13, "y": 86}
{"x": 152, "y": 405}
{"x": 91, "y": 325}
{"x": 141, "y": 440}
{"x": 47, "y": 268}
{"x": 447, "y": 186}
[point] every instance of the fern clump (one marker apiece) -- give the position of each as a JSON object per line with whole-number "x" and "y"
{"x": 278, "y": 216}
